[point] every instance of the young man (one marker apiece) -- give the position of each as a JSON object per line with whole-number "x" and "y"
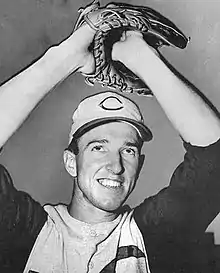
{"x": 96, "y": 233}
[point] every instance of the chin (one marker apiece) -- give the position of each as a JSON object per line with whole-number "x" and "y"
{"x": 111, "y": 206}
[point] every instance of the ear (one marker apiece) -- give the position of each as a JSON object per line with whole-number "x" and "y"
{"x": 70, "y": 163}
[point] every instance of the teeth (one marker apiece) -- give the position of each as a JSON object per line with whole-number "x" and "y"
{"x": 109, "y": 183}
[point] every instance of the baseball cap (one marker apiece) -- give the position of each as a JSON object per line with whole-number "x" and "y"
{"x": 107, "y": 107}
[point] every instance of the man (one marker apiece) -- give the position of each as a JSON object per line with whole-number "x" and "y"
{"x": 96, "y": 233}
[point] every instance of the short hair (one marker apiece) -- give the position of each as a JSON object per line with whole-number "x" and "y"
{"x": 73, "y": 146}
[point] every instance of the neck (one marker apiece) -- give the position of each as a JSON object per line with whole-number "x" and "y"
{"x": 84, "y": 211}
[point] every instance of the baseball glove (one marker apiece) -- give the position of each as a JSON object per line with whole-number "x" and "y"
{"x": 113, "y": 20}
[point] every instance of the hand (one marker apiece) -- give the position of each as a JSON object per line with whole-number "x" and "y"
{"x": 83, "y": 36}
{"x": 125, "y": 50}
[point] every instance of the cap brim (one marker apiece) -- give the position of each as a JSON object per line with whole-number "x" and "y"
{"x": 145, "y": 132}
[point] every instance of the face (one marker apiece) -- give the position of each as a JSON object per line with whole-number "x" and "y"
{"x": 108, "y": 164}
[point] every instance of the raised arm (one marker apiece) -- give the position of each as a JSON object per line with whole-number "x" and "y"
{"x": 23, "y": 92}
{"x": 174, "y": 220}
{"x": 190, "y": 114}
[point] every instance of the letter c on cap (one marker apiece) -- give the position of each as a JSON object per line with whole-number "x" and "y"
{"x": 111, "y": 104}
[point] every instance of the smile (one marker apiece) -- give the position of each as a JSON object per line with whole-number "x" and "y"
{"x": 109, "y": 183}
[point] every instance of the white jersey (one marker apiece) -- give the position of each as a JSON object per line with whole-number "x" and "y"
{"x": 66, "y": 245}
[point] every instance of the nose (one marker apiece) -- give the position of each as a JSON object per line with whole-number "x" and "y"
{"x": 115, "y": 164}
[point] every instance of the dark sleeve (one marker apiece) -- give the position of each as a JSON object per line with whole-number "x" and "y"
{"x": 21, "y": 219}
{"x": 178, "y": 215}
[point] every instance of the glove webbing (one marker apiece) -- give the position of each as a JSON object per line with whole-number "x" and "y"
{"x": 103, "y": 68}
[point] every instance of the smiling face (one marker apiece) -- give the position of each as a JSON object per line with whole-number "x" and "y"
{"x": 107, "y": 165}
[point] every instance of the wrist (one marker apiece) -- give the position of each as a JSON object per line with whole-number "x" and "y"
{"x": 130, "y": 51}
{"x": 58, "y": 63}
{"x": 138, "y": 56}
{"x": 62, "y": 58}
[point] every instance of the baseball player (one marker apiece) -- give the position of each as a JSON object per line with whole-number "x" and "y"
{"x": 96, "y": 232}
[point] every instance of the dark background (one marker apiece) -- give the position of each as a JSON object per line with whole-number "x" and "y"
{"x": 34, "y": 154}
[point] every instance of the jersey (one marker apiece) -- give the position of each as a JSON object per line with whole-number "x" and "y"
{"x": 170, "y": 222}
{"x": 69, "y": 245}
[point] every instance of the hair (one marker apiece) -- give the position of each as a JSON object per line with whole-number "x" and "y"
{"x": 141, "y": 142}
{"x": 73, "y": 146}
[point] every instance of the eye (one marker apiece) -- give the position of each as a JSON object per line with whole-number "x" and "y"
{"x": 98, "y": 148}
{"x": 129, "y": 151}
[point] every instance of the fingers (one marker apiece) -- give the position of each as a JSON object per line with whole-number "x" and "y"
{"x": 130, "y": 34}
{"x": 133, "y": 33}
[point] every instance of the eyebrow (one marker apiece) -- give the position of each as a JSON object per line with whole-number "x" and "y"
{"x": 100, "y": 141}
{"x": 135, "y": 144}
{"x": 132, "y": 144}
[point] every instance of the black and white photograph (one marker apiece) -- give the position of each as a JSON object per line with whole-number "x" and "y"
{"x": 110, "y": 136}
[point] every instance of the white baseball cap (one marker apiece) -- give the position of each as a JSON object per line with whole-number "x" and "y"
{"x": 107, "y": 107}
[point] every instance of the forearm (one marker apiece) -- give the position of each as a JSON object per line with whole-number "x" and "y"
{"x": 23, "y": 92}
{"x": 188, "y": 112}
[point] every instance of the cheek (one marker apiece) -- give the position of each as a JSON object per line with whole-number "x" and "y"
{"x": 87, "y": 167}
{"x": 131, "y": 168}
{"x": 132, "y": 175}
